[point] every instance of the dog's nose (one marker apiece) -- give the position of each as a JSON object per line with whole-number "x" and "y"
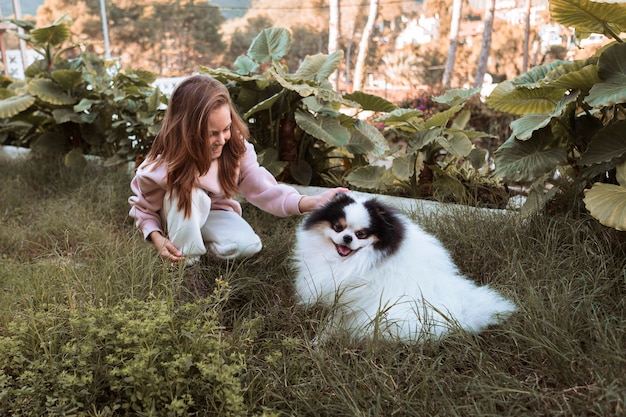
{"x": 347, "y": 239}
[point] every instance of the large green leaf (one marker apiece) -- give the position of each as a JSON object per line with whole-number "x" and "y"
{"x": 319, "y": 67}
{"x": 574, "y": 76}
{"x": 377, "y": 142}
{"x": 422, "y": 138}
{"x": 404, "y": 119}
{"x": 53, "y": 35}
{"x": 477, "y": 157}
{"x": 297, "y": 85}
{"x": 456, "y": 143}
{"x": 245, "y": 66}
{"x": 587, "y": 16}
{"x": 455, "y": 96}
{"x": 371, "y": 102}
{"x": 524, "y": 127}
{"x": 49, "y": 92}
{"x": 324, "y": 128}
{"x": 326, "y": 93}
{"x": 272, "y": 44}
{"x": 612, "y": 71}
{"x": 11, "y": 106}
{"x": 265, "y": 104}
{"x": 607, "y": 203}
{"x": 371, "y": 177}
{"x": 403, "y": 167}
{"x": 537, "y": 75}
{"x": 225, "y": 75}
{"x": 442, "y": 118}
{"x": 65, "y": 115}
{"x": 526, "y": 160}
{"x": 606, "y": 145}
{"x": 508, "y": 98}
{"x": 67, "y": 79}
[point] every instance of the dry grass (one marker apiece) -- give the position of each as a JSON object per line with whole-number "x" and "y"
{"x": 66, "y": 239}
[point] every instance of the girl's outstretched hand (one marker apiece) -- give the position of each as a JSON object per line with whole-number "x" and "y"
{"x": 311, "y": 202}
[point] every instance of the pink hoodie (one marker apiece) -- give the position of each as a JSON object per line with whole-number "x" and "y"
{"x": 256, "y": 184}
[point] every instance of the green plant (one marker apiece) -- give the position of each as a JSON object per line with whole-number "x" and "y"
{"x": 309, "y": 133}
{"x": 295, "y": 118}
{"x": 73, "y": 102}
{"x": 435, "y": 156}
{"x": 149, "y": 358}
{"x": 572, "y": 117}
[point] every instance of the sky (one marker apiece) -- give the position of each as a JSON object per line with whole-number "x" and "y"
{"x": 230, "y": 8}
{"x": 28, "y": 7}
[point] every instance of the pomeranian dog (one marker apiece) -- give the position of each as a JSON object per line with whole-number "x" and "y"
{"x": 383, "y": 275}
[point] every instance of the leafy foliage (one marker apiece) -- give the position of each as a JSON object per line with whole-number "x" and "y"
{"x": 308, "y": 133}
{"x": 75, "y": 100}
{"x": 571, "y": 114}
{"x": 139, "y": 357}
{"x": 294, "y": 117}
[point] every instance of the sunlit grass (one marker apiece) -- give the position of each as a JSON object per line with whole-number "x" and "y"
{"x": 66, "y": 241}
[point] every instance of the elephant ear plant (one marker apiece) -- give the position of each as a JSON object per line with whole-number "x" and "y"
{"x": 307, "y": 132}
{"x": 74, "y": 103}
{"x": 572, "y": 117}
{"x": 294, "y": 117}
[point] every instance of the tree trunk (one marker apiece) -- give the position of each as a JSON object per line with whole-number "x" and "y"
{"x": 526, "y": 45}
{"x": 455, "y": 22}
{"x": 359, "y": 70}
{"x": 334, "y": 30}
{"x": 483, "y": 60}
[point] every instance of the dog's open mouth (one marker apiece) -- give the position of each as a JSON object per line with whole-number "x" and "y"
{"x": 344, "y": 250}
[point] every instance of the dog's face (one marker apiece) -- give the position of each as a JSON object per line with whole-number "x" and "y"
{"x": 349, "y": 226}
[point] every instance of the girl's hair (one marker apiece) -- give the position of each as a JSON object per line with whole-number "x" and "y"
{"x": 183, "y": 140}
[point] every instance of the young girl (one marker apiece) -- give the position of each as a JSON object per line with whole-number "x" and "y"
{"x": 199, "y": 161}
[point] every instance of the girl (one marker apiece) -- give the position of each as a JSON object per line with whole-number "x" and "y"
{"x": 183, "y": 191}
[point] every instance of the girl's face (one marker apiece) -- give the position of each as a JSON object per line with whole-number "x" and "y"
{"x": 219, "y": 123}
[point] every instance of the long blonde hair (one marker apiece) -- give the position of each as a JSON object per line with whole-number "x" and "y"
{"x": 181, "y": 143}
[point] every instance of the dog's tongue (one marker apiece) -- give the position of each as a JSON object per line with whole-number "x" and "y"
{"x": 343, "y": 250}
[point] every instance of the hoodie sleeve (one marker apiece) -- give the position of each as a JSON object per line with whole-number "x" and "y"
{"x": 148, "y": 187}
{"x": 260, "y": 188}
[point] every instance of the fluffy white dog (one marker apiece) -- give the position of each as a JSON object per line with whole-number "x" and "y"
{"x": 382, "y": 274}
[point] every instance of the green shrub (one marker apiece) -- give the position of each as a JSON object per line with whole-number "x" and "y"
{"x": 73, "y": 102}
{"x": 136, "y": 358}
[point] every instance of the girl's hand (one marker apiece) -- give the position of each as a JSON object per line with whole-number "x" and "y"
{"x": 165, "y": 248}
{"x": 310, "y": 203}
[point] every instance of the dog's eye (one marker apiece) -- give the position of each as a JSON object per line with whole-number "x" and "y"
{"x": 360, "y": 234}
{"x": 337, "y": 227}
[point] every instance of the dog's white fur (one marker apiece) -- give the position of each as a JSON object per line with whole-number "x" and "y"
{"x": 416, "y": 293}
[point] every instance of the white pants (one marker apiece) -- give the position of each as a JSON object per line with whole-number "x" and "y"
{"x": 226, "y": 233}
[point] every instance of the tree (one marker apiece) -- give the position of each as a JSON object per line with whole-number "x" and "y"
{"x": 334, "y": 32}
{"x": 242, "y": 38}
{"x": 455, "y": 22}
{"x": 168, "y": 38}
{"x": 359, "y": 70}
{"x": 526, "y": 35}
{"x": 490, "y": 10}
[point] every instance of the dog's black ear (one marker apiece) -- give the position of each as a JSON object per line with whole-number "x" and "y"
{"x": 339, "y": 197}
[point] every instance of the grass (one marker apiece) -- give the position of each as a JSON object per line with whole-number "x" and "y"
{"x": 66, "y": 243}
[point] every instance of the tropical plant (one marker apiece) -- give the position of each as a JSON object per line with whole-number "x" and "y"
{"x": 572, "y": 117}
{"x": 73, "y": 102}
{"x": 295, "y": 118}
{"x": 308, "y": 133}
{"x": 435, "y": 156}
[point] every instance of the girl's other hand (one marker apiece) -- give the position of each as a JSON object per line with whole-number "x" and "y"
{"x": 165, "y": 248}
